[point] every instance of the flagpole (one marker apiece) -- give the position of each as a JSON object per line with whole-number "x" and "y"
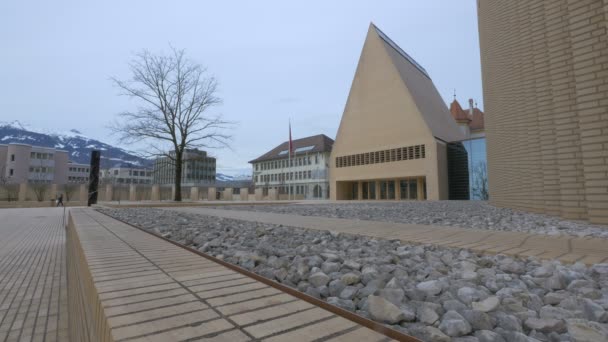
{"x": 289, "y": 168}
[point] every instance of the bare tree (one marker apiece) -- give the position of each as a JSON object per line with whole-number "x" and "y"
{"x": 480, "y": 181}
{"x": 69, "y": 189}
{"x": 174, "y": 95}
{"x": 39, "y": 190}
{"x": 39, "y": 180}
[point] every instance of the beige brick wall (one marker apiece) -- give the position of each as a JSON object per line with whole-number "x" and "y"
{"x": 545, "y": 77}
{"x": 87, "y": 316}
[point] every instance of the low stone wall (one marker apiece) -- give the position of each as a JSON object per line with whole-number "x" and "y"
{"x": 36, "y": 204}
{"x": 87, "y": 318}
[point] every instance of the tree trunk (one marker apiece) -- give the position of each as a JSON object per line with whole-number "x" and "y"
{"x": 178, "y": 176}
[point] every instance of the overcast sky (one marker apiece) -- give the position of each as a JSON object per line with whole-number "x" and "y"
{"x": 274, "y": 60}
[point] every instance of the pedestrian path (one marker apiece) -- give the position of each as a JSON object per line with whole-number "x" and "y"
{"x": 138, "y": 287}
{"x": 33, "y": 290}
{"x": 564, "y": 248}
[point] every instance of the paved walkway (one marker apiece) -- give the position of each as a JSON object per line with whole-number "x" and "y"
{"x": 565, "y": 248}
{"x": 152, "y": 290}
{"x": 33, "y": 291}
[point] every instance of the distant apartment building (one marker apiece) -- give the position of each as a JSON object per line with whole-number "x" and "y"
{"x": 120, "y": 174}
{"x": 22, "y": 163}
{"x": 197, "y": 169}
{"x": 305, "y": 177}
{"x": 78, "y": 173}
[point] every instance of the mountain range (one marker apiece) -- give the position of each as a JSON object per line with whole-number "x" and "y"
{"x": 79, "y": 147}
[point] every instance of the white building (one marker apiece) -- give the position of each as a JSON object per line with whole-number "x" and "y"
{"x": 126, "y": 175}
{"x": 78, "y": 173}
{"x": 198, "y": 168}
{"x": 306, "y": 177}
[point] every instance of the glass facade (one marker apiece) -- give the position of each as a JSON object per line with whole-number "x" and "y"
{"x": 478, "y": 168}
{"x": 467, "y": 170}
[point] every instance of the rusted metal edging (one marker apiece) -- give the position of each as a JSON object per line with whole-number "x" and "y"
{"x": 368, "y": 323}
{"x": 171, "y": 204}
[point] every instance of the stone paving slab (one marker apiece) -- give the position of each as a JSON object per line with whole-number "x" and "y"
{"x": 564, "y": 248}
{"x": 188, "y": 297}
{"x": 33, "y": 290}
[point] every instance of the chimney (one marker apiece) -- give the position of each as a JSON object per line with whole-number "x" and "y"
{"x": 471, "y": 107}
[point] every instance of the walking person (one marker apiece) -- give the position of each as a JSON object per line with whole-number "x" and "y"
{"x": 60, "y": 200}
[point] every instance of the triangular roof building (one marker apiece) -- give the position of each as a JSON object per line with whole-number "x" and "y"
{"x": 393, "y": 108}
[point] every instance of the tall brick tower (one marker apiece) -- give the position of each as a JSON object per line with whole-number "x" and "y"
{"x": 545, "y": 79}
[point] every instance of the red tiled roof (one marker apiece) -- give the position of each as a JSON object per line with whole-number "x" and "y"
{"x": 458, "y": 113}
{"x": 478, "y": 121}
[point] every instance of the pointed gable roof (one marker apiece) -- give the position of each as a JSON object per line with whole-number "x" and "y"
{"x": 392, "y": 102}
{"x": 423, "y": 91}
{"x": 458, "y": 113}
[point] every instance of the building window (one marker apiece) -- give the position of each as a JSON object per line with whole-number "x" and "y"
{"x": 12, "y": 157}
{"x": 10, "y": 172}
{"x": 386, "y": 156}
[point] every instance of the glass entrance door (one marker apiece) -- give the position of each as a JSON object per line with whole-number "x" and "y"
{"x": 404, "y": 188}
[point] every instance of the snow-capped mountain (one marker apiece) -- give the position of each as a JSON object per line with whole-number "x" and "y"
{"x": 220, "y": 177}
{"x": 79, "y": 148}
{"x": 75, "y": 143}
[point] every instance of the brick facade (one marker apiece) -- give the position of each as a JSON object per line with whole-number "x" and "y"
{"x": 545, "y": 77}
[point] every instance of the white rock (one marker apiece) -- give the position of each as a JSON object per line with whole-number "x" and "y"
{"x": 318, "y": 279}
{"x": 435, "y": 335}
{"x": 382, "y": 310}
{"x": 350, "y": 278}
{"x": 600, "y": 268}
{"x": 453, "y": 324}
{"x": 330, "y": 267}
{"x": 426, "y": 315}
{"x": 488, "y": 336}
{"x": 594, "y": 311}
{"x": 469, "y": 275}
{"x": 487, "y": 305}
{"x": 394, "y": 296}
{"x": 349, "y": 292}
{"x": 352, "y": 265}
{"x": 468, "y": 294}
{"x": 584, "y": 331}
{"x": 331, "y": 257}
{"x": 545, "y": 325}
{"x": 430, "y": 288}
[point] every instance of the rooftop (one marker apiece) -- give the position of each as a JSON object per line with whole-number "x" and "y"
{"x": 401, "y": 52}
{"x": 473, "y": 116}
{"x": 312, "y": 144}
